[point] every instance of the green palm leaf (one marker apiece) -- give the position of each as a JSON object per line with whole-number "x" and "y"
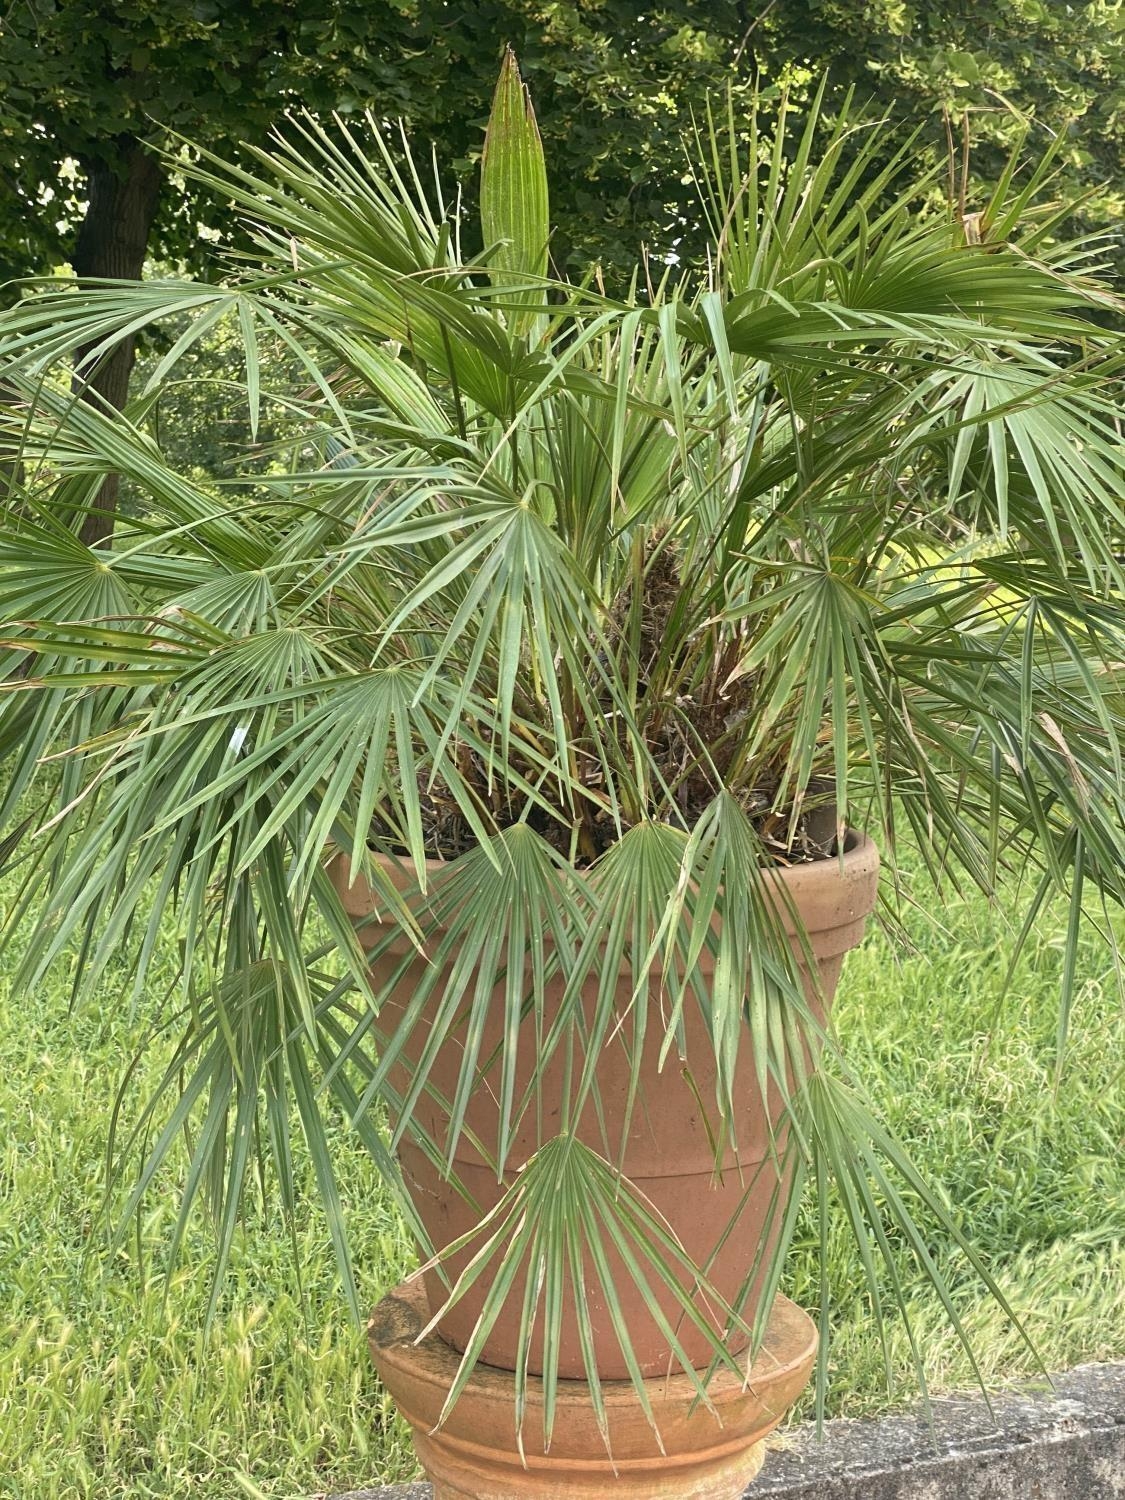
{"x": 611, "y": 608}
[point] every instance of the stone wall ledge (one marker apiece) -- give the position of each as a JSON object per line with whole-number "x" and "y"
{"x": 1038, "y": 1443}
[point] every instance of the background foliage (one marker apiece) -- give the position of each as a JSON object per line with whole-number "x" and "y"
{"x": 81, "y": 82}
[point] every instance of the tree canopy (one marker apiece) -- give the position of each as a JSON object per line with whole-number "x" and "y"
{"x": 84, "y": 82}
{"x": 88, "y": 87}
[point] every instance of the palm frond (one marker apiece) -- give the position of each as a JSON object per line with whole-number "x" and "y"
{"x": 553, "y": 626}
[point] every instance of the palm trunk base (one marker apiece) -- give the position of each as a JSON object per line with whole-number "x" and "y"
{"x": 475, "y": 1455}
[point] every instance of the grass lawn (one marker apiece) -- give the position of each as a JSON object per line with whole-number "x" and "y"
{"x": 110, "y": 1387}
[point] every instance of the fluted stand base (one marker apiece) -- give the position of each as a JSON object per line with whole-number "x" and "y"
{"x": 475, "y": 1455}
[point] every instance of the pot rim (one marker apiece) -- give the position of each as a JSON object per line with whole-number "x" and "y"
{"x": 859, "y": 848}
{"x": 842, "y": 886}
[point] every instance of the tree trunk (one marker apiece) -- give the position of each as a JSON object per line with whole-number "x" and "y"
{"x": 112, "y": 242}
{"x": 11, "y": 470}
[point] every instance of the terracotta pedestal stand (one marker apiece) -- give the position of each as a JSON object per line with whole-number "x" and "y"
{"x": 475, "y": 1455}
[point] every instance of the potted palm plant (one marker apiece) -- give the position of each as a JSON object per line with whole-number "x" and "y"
{"x": 508, "y": 740}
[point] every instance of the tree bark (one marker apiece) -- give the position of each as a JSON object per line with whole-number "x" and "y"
{"x": 111, "y": 243}
{"x": 11, "y": 470}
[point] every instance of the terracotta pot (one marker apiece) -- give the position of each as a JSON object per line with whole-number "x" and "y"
{"x": 669, "y": 1152}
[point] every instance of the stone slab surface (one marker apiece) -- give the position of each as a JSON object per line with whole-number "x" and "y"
{"x": 1065, "y": 1444}
{"x": 1037, "y": 1444}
